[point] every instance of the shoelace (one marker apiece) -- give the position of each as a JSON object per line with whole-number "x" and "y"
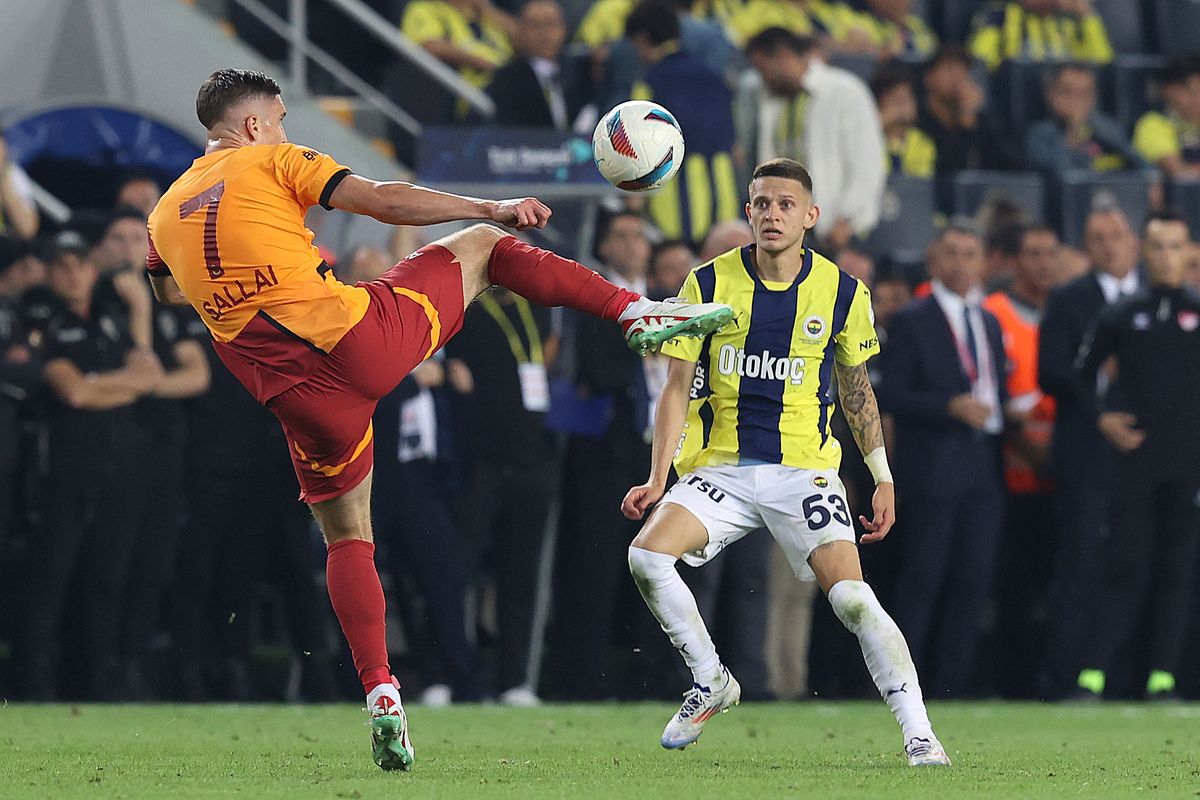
{"x": 923, "y": 747}
{"x": 693, "y": 701}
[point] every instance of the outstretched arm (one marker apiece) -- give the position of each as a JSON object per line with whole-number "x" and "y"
{"x": 400, "y": 203}
{"x": 862, "y": 413}
{"x": 668, "y": 428}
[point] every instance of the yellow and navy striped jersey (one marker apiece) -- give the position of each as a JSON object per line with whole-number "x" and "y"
{"x": 1005, "y": 31}
{"x": 915, "y": 155}
{"x": 763, "y": 386}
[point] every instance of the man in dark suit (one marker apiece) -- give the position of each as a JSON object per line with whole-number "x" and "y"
{"x": 531, "y": 91}
{"x": 1079, "y": 456}
{"x": 943, "y": 381}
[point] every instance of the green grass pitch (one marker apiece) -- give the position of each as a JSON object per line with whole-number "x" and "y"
{"x": 819, "y": 750}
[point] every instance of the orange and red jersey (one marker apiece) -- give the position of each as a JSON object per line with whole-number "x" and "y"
{"x": 1021, "y": 346}
{"x": 231, "y": 232}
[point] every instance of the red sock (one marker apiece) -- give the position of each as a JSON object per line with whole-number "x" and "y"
{"x": 548, "y": 279}
{"x": 358, "y": 602}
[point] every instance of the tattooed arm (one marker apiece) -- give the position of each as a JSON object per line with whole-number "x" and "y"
{"x": 862, "y": 414}
{"x": 860, "y": 407}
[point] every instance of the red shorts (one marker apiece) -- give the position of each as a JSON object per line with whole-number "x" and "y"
{"x": 416, "y": 306}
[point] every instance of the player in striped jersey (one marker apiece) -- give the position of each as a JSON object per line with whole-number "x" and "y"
{"x": 745, "y": 416}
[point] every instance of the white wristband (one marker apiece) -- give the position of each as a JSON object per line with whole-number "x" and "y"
{"x": 877, "y": 463}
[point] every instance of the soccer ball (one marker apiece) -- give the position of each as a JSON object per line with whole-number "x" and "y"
{"x": 638, "y": 146}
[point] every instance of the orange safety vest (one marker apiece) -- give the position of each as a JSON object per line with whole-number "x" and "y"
{"x": 1021, "y": 347}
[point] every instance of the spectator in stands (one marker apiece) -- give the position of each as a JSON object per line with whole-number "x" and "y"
{"x": 616, "y": 62}
{"x": 1077, "y": 136}
{"x": 1192, "y": 272}
{"x": 964, "y": 133}
{"x": 18, "y": 213}
{"x": 897, "y": 31}
{"x": 943, "y": 380}
{"x": 1171, "y": 140}
{"x": 473, "y": 36}
{"x": 706, "y": 190}
{"x": 139, "y": 190}
{"x": 122, "y": 244}
{"x": 531, "y": 91}
{"x": 1022, "y": 585}
{"x": 908, "y": 150}
{"x": 1080, "y": 459}
{"x": 832, "y": 21}
{"x": 506, "y": 344}
{"x": 670, "y": 263}
{"x": 797, "y": 106}
{"x": 725, "y": 236}
{"x": 1040, "y": 30}
{"x": 96, "y": 373}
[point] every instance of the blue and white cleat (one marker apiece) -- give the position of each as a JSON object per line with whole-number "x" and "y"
{"x": 924, "y": 752}
{"x": 699, "y": 704}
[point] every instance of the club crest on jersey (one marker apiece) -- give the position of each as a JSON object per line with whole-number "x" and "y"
{"x": 1188, "y": 320}
{"x": 814, "y": 326}
{"x": 820, "y": 482}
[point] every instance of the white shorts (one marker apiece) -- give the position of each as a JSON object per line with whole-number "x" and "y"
{"x": 802, "y": 508}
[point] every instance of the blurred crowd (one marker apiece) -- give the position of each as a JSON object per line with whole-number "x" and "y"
{"x": 151, "y": 543}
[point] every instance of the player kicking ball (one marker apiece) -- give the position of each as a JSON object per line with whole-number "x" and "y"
{"x": 228, "y": 238}
{"x": 756, "y": 452}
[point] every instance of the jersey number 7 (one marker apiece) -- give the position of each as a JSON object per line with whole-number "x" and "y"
{"x": 210, "y": 198}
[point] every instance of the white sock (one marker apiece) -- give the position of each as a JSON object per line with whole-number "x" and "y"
{"x": 675, "y": 607}
{"x": 886, "y": 654}
{"x": 387, "y": 689}
{"x": 636, "y": 308}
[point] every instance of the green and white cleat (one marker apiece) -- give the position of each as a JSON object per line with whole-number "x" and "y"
{"x": 390, "y": 744}
{"x": 649, "y": 323}
{"x": 926, "y": 752}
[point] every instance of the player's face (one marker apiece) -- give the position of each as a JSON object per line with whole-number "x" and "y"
{"x": 1165, "y": 249}
{"x": 780, "y": 211}
{"x": 1037, "y": 260}
{"x": 264, "y": 120}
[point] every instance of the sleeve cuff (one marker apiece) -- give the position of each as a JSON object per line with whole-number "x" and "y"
{"x": 330, "y": 185}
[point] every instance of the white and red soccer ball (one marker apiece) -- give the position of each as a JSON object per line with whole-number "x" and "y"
{"x": 638, "y": 146}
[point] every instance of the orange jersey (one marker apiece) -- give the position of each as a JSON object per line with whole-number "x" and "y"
{"x": 231, "y": 232}
{"x": 1021, "y": 345}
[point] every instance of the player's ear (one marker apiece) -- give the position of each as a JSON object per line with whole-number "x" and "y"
{"x": 810, "y": 219}
{"x": 252, "y": 127}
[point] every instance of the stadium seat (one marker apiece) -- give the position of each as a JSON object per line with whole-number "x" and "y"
{"x": 1080, "y": 191}
{"x": 1177, "y": 22}
{"x": 952, "y": 18}
{"x": 1132, "y": 87}
{"x": 1124, "y": 21}
{"x": 906, "y": 220}
{"x": 1185, "y": 198}
{"x": 861, "y": 64}
{"x": 975, "y": 188}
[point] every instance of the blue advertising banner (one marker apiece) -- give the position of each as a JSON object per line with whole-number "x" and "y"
{"x": 505, "y": 155}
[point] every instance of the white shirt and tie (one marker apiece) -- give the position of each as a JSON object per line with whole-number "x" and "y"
{"x": 549, "y": 76}
{"x": 965, "y": 317}
{"x": 1115, "y": 288}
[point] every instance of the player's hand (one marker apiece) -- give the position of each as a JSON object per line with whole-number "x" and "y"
{"x": 883, "y": 503}
{"x": 639, "y": 499}
{"x": 968, "y": 410}
{"x": 1119, "y": 428}
{"x": 528, "y": 212}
